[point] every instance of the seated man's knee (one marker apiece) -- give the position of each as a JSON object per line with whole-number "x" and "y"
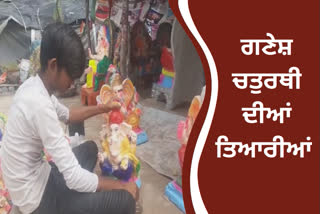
{"x": 129, "y": 203}
{"x": 91, "y": 147}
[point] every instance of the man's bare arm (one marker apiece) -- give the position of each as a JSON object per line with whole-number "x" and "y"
{"x": 84, "y": 112}
{"x": 106, "y": 184}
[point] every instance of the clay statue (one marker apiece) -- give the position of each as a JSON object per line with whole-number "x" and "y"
{"x": 119, "y": 146}
{"x": 184, "y": 127}
{"x": 5, "y": 207}
{"x": 121, "y": 132}
{"x": 102, "y": 70}
{"x": 101, "y": 57}
{"x": 112, "y": 70}
{"x": 102, "y": 47}
{"x": 5, "y": 198}
{"x": 3, "y": 77}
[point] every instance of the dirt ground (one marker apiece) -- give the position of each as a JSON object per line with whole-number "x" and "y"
{"x": 153, "y": 184}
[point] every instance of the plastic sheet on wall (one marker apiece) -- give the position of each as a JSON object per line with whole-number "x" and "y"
{"x": 15, "y": 43}
{"x": 38, "y": 13}
{"x": 18, "y": 17}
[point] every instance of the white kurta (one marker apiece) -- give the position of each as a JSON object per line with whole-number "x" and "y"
{"x": 33, "y": 124}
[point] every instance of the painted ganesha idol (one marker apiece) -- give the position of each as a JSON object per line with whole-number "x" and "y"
{"x": 121, "y": 131}
{"x": 184, "y": 127}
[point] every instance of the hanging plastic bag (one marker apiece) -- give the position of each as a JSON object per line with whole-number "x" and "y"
{"x": 24, "y": 67}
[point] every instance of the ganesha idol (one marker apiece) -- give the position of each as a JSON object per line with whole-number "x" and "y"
{"x": 121, "y": 132}
{"x": 119, "y": 147}
{"x": 124, "y": 92}
{"x": 184, "y": 127}
{"x": 5, "y": 206}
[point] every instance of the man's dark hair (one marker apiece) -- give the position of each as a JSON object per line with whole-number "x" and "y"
{"x": 60, "y": 41}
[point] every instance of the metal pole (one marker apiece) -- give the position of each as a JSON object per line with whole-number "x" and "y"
{"x": 124, "y": 39}
{"x": 88, "y": 27}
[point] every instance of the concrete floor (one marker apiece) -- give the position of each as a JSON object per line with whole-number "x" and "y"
{"x": 153, "y": 184}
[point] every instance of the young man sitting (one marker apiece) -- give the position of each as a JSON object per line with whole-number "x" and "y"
{"x": 67, "y": 186}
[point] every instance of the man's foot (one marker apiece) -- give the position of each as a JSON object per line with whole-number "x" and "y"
{"x": 139, "y": 208}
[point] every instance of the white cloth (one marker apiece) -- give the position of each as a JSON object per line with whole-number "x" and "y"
{"x": 33, "y": 124}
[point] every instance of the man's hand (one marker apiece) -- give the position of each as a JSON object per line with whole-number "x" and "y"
{"x": 132, "y": 188}
{"x": 110, "y": 105}
{"x": 84, "y": 112}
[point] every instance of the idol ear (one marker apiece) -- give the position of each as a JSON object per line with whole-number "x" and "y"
{"x": 128, "y": 91}
{"x": 106, "y": 93}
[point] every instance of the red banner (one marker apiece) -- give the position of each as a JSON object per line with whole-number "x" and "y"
{"x": 264, "y": 84}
